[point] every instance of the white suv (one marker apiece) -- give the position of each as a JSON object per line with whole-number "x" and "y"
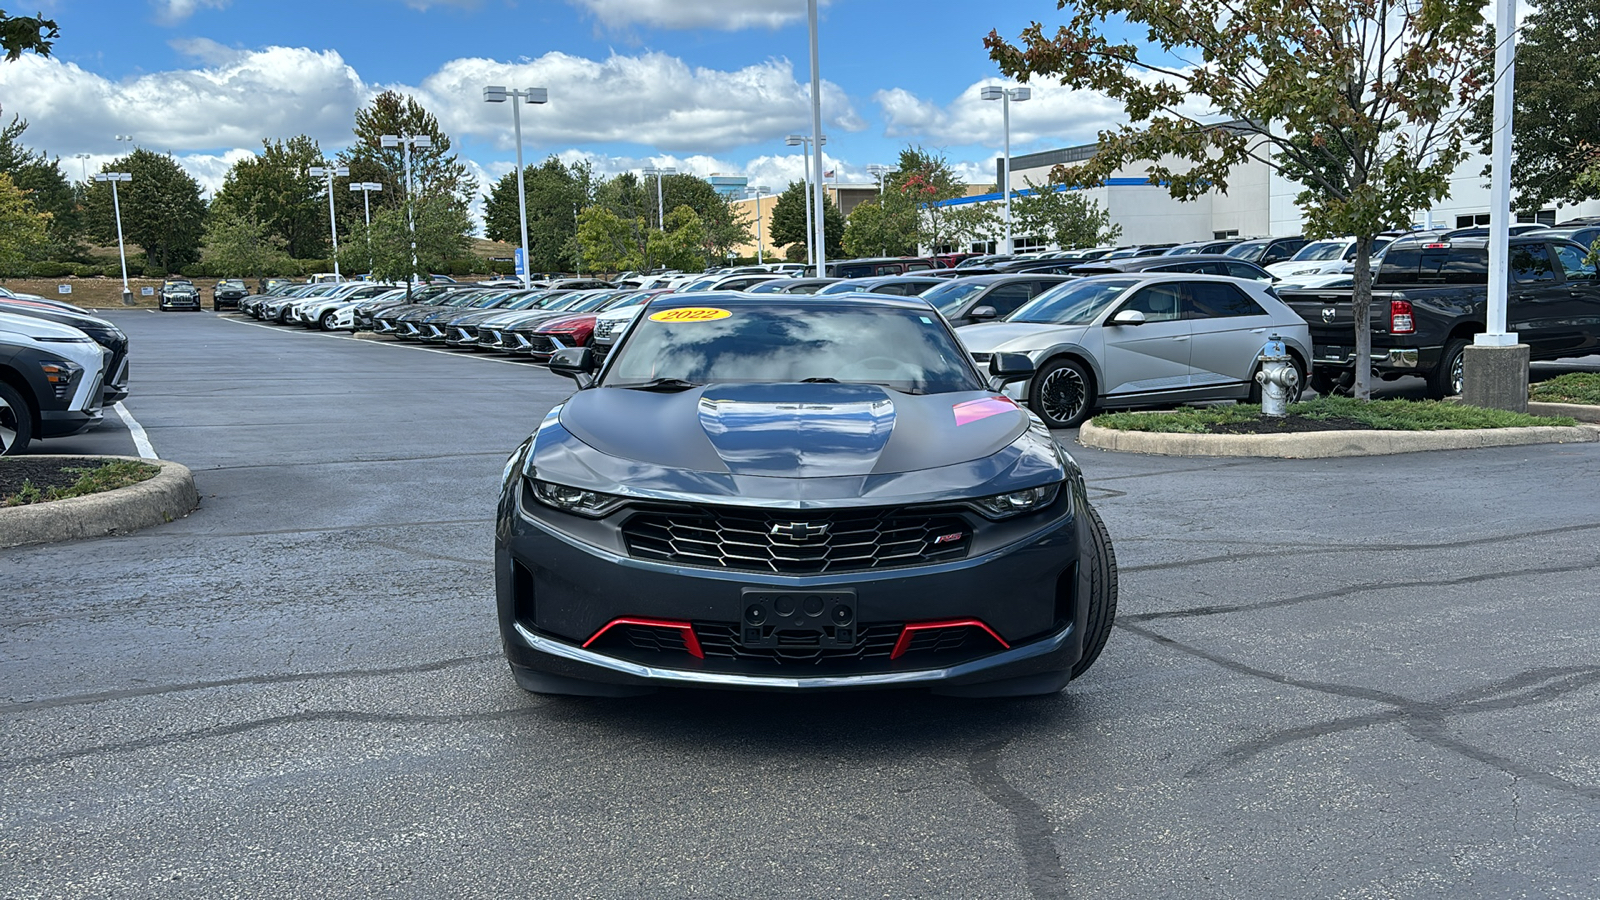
{"x": 50, "y": 381}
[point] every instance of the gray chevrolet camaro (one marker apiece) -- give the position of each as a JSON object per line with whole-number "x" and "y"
{"x": 1141, "y": 339}
{"x": 791, "y": 493}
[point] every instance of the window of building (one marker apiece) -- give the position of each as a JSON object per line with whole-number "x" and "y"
{"x": 1472, "y": 221}
{"x": 1221, "y": 235}
{"x": 1027, "y": 244}
{"x": 1543, "y": 217}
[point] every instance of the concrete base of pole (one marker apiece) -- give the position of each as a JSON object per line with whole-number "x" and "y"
{"x": 1495, "y": 377}
{"x": 127, "y": 297}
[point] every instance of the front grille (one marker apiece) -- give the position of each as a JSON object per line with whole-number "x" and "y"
{"x": 491, "y": 337}
{"x": 463, "y": 335}
{"x": 540, "y": 343}
{"x": 604, "y": 328}
{"x": 720, "y": 640}
{"x": 744, "y": 539}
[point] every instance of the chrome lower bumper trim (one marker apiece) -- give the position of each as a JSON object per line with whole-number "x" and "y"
{"x": 921, "y": 676}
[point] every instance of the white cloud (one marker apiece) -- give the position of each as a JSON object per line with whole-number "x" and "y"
{"x": 725, "y": 15}
{"x": 651, "y": 99}
{"x": 277, "y": 92}
{"x": 1054, "y": 114}
{"x": 171, "y": 12}
{"x": 206, "y": 50}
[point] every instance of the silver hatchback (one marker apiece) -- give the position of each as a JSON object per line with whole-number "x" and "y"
{"x": 1141, "y": 339}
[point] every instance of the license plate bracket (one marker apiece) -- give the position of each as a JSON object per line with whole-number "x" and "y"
{"x": 798, "y": 619}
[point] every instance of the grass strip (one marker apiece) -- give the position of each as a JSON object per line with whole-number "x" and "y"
{"x": 1573, "y": 387}
{"x": 1380, "y": 415}
{"x": 108, "y": 477}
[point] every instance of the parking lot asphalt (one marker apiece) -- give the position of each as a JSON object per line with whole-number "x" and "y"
{"x": 1367, "y": 677}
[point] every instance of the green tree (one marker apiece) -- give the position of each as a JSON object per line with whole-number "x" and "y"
{"x": 916, "y": 192}
{"x": 881, "y": 227}
{"x": 276, "y": 189}
{"x": 789, "y": 222}
{"x": 608, "y": 240}
{"x": 23, "y": 33}
{"x": 1066, "y": 217}
{"x": 631, "y": 203}
{"x": 1556, "y": 115}
{"x": 47, "y": 188}
{"x": 443, "y": 234}
{"x": 554, "y": 191}
{"x": 722, "y": 228}
{"x": 239, "y": 243}
{"x": 24, "y": 230}
{"x": 161, "y": 209}
{"x": 435, "y": 171}
{"x": 682, "y": 245}
{"x": 1363, "y": 102}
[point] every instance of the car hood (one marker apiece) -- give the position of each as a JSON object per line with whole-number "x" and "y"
{"x": 749, "y": 443}
{"x": 37, "y": 328}
{"x": 1016, "y": 337}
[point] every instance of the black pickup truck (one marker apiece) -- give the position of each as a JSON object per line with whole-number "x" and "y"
{"x": 1429, "y": 297}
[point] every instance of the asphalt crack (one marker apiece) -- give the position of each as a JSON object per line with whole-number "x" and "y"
{"x": 1034, "y": 833}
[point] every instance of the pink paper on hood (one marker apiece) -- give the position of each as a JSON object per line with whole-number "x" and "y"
{"x": 973, "y": 410}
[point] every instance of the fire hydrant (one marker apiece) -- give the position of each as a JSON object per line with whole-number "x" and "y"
{"x": 1278, "y": 377}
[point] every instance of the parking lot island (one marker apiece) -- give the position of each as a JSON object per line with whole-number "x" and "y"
{"x": 1328, "y": 444}
{"x": 169, "y": 495}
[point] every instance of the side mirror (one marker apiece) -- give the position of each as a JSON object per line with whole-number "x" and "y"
{"x": 576, "y": 363}
{"x": 1004, "y": 368}
{"x": 983, "y": 313}
{"x": 1128, "y": 317}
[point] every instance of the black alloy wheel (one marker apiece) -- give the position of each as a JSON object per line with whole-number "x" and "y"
{"x": 1063, "y": 394}
{"x": 1446, "y": 379}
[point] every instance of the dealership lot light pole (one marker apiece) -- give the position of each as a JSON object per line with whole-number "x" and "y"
{"x": 817, "y": 140}
{"x": 759, "y": 191}
{"x": 498, "y": 94}
{"x": 408, "y": 141}
{"x": 800, "y": 140}
{"x": 327, "y": 174}
{"x": 1005, "y": 96}
{"x": 366, "y": 188}
{"x": 116, "y": 206}
{"x": 661, "y": 211}
{"x": 877, "y": 171}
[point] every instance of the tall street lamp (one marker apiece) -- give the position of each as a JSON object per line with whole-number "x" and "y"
{"x": 817, "y": 140}
{"x": 408, "y": 141}
{"x": 498, "y": 94}
{"x": 116, "y": 206}
{"x": 366, "y": 188}
{"x": 327, "y": 174}
{"x": 661, "y": 210}
{"x": 801, "y": 140}
{"x": 759, "y": 191}
{"x": 1005, "y": 96}
{"x": 877, "y": 171}
{"x": 83, "y": 159}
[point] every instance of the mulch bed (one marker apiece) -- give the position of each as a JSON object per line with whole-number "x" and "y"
{"x": 1288, "y": 425}
{"x": 44, "y": 473}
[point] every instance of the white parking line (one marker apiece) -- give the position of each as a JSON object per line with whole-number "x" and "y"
{"x": 396, "y": 344}
{"x": 141, "y": 441}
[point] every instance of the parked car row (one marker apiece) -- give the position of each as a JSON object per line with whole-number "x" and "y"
{"x": 59, "y": 366}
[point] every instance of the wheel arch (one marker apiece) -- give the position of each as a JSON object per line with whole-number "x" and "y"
{"x": 16, "y": 381}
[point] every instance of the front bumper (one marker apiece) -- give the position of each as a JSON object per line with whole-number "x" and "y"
{"x": 557, "y": 595}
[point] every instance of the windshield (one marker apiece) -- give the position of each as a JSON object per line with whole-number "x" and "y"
{"x": 1249, "y": 251}
{"x": 701, "y": 285}
{"x": 1186, "y": 251}
{"x": 843, "y": 287}
{"x": 1073, "y": 303}
{"x": 1319, "y": 251}
{"x": 903, "y": 349}
{"x": 947, "y": 298}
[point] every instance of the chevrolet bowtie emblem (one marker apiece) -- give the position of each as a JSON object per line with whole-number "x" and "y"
{"x": 799, "y": 532}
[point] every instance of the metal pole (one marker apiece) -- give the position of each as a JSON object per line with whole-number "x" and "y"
{"x": 333, "y": 224}
{"x": 1500, "y": 168}
{"x": 411, "y": 218}
{"x": 760, "y": 259}
{"x": 522, "y": 194}
{"x": 366, "y": 206}
{"x": 116, "y": 206}
{"x": 661, "y": 209}
{"x": 816, "y": 137}
{"x": 811, "y": 232}
{"x": 577, "y": 243}
{"x": 1005, "y": 116}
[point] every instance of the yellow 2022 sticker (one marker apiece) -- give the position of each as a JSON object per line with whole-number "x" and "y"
{"x": 690, "y": 314}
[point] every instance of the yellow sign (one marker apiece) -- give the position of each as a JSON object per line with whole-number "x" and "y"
{"x": 690, "y": 314}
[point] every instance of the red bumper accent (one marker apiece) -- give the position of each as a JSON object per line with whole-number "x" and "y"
{"x": 690, "y": 641}
{"x": 904, "y": 643}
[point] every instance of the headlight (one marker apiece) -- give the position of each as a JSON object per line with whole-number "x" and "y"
{"x": 1016, "y": 503}
{"x": 577, "y": 501}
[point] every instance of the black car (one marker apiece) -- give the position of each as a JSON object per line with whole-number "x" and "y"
{"x": 1211, "y": 264}
{"x": 967, "y": 301}
{"x": 179, "y": 293}
{"x": 227, "y": 294}
{"x": 1220, "y": 245}
{"x": 1266, "y": 251}
{"x": 796, "y": 494}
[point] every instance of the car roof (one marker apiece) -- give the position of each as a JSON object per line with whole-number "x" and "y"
{"x": 1139, "y": 263}
{"x": 1001, "y": 277}
{"x": 737, "y": 300}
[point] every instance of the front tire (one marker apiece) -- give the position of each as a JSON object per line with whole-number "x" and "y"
{"x": 1445, "y": 380}
{"x": 1102, "y": 593}
{"x": 1062, "y": 394}
{"x": 16, "y": 421}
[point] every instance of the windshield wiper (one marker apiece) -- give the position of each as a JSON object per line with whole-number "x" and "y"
{"x": 660, "y": 384}
{"x": 819, "y": 380}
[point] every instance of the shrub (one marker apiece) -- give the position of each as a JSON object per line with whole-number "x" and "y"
{"x": 50, "y": 269}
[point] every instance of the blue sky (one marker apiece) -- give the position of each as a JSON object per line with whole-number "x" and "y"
{"x": 709, "y": 86}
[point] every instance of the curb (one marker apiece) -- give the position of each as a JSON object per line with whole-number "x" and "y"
{"x": 1328, "y": 444}
{"x": 169, "y": 495}
{"x": 367, "y": 336}
{"x": 1577, "y": 411}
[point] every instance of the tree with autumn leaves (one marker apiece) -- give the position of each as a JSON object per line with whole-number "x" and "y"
{"x": 1363, "y": 103}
